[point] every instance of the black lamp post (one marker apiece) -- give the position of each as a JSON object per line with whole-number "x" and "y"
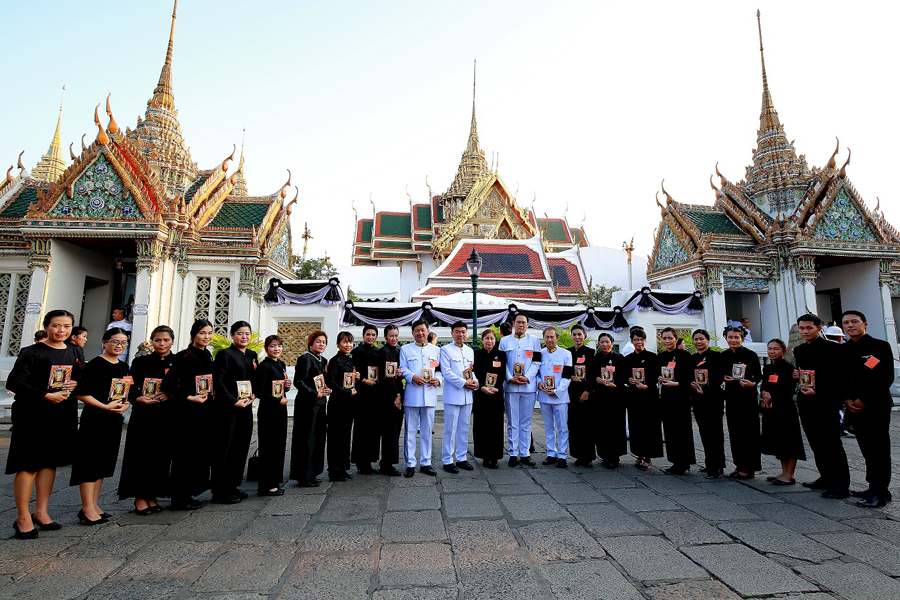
{"x": 473, "y": 265}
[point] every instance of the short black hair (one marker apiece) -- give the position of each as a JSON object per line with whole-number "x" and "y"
{"x": 369, "y": 326}
{"x": 702, "y": 332}
{"x": 855, "y": 313}
{"x": 418, "y": 322}
{"x": 551, "y": 328}
{"x": 344, "y": 335}
{"x": 53, "y": 314}
{"x": 39, "y": 335}
{"x": 237, "y": 325}
{"x": 578, "y": 326}
{"x": 521, "y": 315}
{"x": 389, "y": 328}
{"x": 506, "y": 329}
{"x": 730, "y": 328}
{"x": 810, "y": 318}
{"x": 606, "y": 334}
{"x": 638, "y": 332}
{"x": 669, "y": 330}
{"x": 778, "y": 341}
{"x": 459, "y": 324}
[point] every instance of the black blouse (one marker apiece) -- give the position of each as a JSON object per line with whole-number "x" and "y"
{"x": 485, "y": 362}
{"x": 390, "y": 387}
{"x": 29, "y": 379}
{"x": 180, "y": 382}
{"x": 782, "y": 389}
{"x": 340, "y": 364}
{"x": 582, "y": 357}
{"x": 610, "y": 359}
{"x": 753, "y": 372}
{"x": 232, "y": 366}
{"x": 309, "y": 365}
{"x": 96, "y": 380}
{"x": 151, "y": 366}
{"x": 684, "y": 373}
{"x": 268, "y": 372}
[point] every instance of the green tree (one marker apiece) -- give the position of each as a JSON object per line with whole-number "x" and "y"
{"x": 598, "y": 295}
{"x": 220, "y": 342}
{"x": 313, "y": 268}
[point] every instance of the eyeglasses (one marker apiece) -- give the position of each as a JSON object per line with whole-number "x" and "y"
{"x": 118, "y": 344}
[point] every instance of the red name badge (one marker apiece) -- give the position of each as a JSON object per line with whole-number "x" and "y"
{"x": 701, "y": 363}
{"x": 580, "y": 360}
{"x": 557, "y": 368}
{"x": 167, "y": 372}
{"x": 671, "y": 365}
{"x": 129, "y": 379}
{"x": 872, "y": 362}
{"x": 435, "y": 363}
{"x": 529, "y": 353}
{"x": 773, "y": 378}
{"x": 496, "y": 364}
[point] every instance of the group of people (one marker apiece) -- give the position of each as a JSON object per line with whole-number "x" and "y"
{"x": 356, "y": 404}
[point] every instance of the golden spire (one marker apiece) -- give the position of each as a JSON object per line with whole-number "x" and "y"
{"x": 52, "y": 164}
{"x": 162, "y": 95}
{"x": 307, "y": 235}
{"x": 240, "y": 186}
{"x": 768, "y": 118}
{"x": 473, "y": 165}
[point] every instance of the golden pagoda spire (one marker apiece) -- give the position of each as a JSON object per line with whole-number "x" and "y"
{"x": 768, "y": 118}
{"x": 52, "y": 164}
{"x": 162, "y": 95}
{"x": 473, "y": 165}
{"x": 240, "y": 185}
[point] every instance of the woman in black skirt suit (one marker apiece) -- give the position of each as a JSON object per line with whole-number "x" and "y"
{"x": 308, "y": 440}
{"x": 706, "y": 396}
{"x": 341, "y": 407}
{"x": 609, "y": 402}
{"x": 642, "y": 398}
{"x": 235, "y": 383}
{"x": 584, "y": 438}
{"x": 487, "y": 402}
{"x": 104, "y": 391}
{"x": 272, "y": 418}
{"x": 146, "y": 463}
{"x": 365, "y": 419}
{"x": 44, "y": 419}
{"x": 390, "y": 407}
{"x": 742, "y": 373}
{"x": 675, "y": 402}
{"x": 780, "y": 424}
{"x": 189, "y": 386}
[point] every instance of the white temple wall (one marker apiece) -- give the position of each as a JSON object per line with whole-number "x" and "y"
{"x": 773, "y": 323}
{"x": 895, "y": 307}
{"x": 860, "y": 290}
{"x": 610, "y": 266}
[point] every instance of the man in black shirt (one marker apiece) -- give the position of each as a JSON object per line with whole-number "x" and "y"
{"x": 820, "y": 371}
{"x": 870, "y": 373}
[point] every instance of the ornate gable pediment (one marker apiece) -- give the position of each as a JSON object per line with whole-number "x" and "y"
{"x": 98, "y": 193}
{"x": 841, "y": 220}
{"x": 669, "y": 250}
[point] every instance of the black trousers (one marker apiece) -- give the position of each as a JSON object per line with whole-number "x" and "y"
{"x": 488, "y": 430}
{"x": 340, "y": 431}
{"x": 872, "y": 428}
{"x": 230, "y": 451}
{"x": 678, "y": 430}
{"x": 744, "y": 432}
{"x": 822, "y": 424}
{"x": 708, "y": 413}
{"x": 611, "y": 430}
{"x": 191, "y": 450}
{"x": 365, "y": 430}
{"x": 272, "y": 429}
{"x": 584, "y": 435}
{"x": 390, "y": 425}
{"x": 308, "y": 442}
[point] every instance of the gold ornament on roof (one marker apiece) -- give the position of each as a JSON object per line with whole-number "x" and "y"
{"x": 101, "y": 134}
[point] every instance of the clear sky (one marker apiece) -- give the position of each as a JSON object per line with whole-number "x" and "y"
{"x": 588, "y": 103}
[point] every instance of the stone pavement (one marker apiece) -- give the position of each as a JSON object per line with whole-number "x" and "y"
{"x": 510, "y": 533}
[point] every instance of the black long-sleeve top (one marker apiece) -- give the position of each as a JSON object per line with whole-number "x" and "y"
{"x": 29, "y": 379}
{"x": 269, "y": 371}
{"x": 646, "y": 360}
{"x": 610, "y": 359}
{"x": 309, "y": 366}
{"x": 581, "y": 357}
{"x": 753, "y": 371}
{"x": 389, "y": 387}
{"x": 232, "y": 366}
{"x": 151, "y": 366}
{"x": 365, "y": 356}
{"x": 684, "y": 373}
{"x": 708, "y": 360}
{"x": 778, "y": 380}
{"x": 824, "y": 358}
{"x": 490, "y": 362}
{"x": 180, "y": 382}
{"x": 97, "y": 378}
{"x": 339, "y": 364}
{"x": 870, "y": 384}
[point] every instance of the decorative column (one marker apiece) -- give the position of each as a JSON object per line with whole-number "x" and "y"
{"x": 242, "y": 306}
{"x": 805, "y": 271}
{"x": 887, "y": 308}
{"x": 149, "y": 255}
{"x": 39, "y": 263}
{"x": 718, "y": 317}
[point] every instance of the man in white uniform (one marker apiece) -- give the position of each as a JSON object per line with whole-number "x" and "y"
{"x": 459, "y": 380}
{"x": 554, "y": 377}
{"x": 418, "y": 364}
{"x": 523, "y": 353}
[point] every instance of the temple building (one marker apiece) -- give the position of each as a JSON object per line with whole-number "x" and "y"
{"x": 132, "y": 221}
{"x": 785, "y": 240}
{"x": 526, "y": 258}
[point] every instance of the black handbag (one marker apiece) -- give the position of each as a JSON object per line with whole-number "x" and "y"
{"x": 253, "y": 467}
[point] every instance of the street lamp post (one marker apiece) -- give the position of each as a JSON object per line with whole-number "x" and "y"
{"x": 473, "y": 265}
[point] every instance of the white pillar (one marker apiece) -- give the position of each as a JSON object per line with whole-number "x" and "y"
{"x": 39, "y": 262}
{"x": 140, "y": 327}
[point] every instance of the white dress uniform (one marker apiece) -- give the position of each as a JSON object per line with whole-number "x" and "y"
{"x": 455, "y": 359}
{"x": 419, "y": 401}
{"x": 555, "y": 409}
{"x": 525, "y": 349}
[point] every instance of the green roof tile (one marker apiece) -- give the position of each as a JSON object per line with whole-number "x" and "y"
{"x": 556, "y": 231}
{"x": 189, "y": 193}
{"x": 240, "y": 215}
{"x": 395, "y": 225}
{"x": 367, "y": 231}
{"x": 713, "y": 222}
{"x": 423, "y": 217}
{"x": 19, "y": 205}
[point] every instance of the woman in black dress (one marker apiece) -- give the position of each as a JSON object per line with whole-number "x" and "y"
{"x": 584, "y": 438}
{"x": 640, "y": 371}
{"x": 44, "y": 419}
{"x": 487, "y": 401}
{"x": 780, "y": 424}
{"x": 365, "y": 419}
{"x": 235, "y": 382}
{"x": 706, "y": 396}
{"x": 675, "y": 400}
{"x": 146, "y": 463}
{"x": 741, "y": 372}
{"x": 189, "y": 386}
{"x": 341, "y": 378}
{"x": 272, "y": 418}
{"x": 308, "y": 439}
{"x": 103, "y": 388}
{"x": 609, "y": 401}
{"x": 390, "y": 396}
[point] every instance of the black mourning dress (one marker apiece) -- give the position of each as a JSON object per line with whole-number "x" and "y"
{"x": 742, "y": 408}
{"x": 365, "y": 419}
{"x": 271, "y": 424}
{"x": 643, "y": 405}
{"x": 234, "y": 427}
{"x": 488, "y": 432}
{"x": 148, "y": 453}
{"x": 43, "y": 433}
{"x": 341, "y": 408}
{"x": 780, "y": 424}
{"x": 584, "y": 439}
{"x": 612, "y": 442}
{"x": 100, "y": 430}
{"x": 709, "y": 407}
{"x": 676, "y": 408}
{"x": 390, "y": 418}
{"x": 308, "y": 439}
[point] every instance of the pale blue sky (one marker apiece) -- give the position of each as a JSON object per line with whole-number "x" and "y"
{"x": 590, "y": 103}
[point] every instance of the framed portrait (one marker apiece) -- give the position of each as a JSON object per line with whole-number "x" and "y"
{"x": 319, "y": 381}
{"x": 390, "y": 369}
{"x": 60, "y": 375}
{"x": 244, "y": 389}
{"x": 118, "y": 390}
{"x": 372, "y": 373}
{"x": 349, "y": 380}
{"x": 151, "y": 387}
{"x": 637, "y": 373}
{"x": 549, "y": 383}
{"x": 203, "y": 384}
{"x": 427, "y": 374}
{"x": 738, "y": 371}
{"x": 518, "y": 369}
{"x": 278, "y": 389}
{"x": 701, "y": 376}
{"x": 807, "y": 378}
{"x": 490, "y": 380}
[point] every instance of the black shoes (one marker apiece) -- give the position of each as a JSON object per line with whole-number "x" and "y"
{"x": 24, "y": 535}
{"x": 527, "y": 461}
{"x": 561, "y": 463}
{"x": 185, "y": 504}
{"x": 241, "y": 494}
{"x": 490, "y": 464}
{"x": 410, "y": 471}
{"x": 309, "y": 484}
{"x": 465, "y": 465}
{"x": 818, "y": 484}
{"x": 713, "y": 473}
{"x": 51, "y": 526}
{"x": 836, "y": 493}
{"x": 741, "y": 476}
{"x": 429, "y": 470}
{"x": 514, "y": 461}
{"x": 581, "y": 462}
{"x": 143, "y": 512}
{"x": 550, "y": 460}
{"x": 677, "y": 470}
{"x": 339, "y": 476}
{"x": 451, "y": 468}
{"x": 365, "y": 469}
{"x": 390, "y": 471}
{"x": 874, "y": 501}
{"x": 610, "y": 464}
{"x": 82, "y": 518}
{"x": 226, "y": 499}
{"x": 275, "y": 492}
{"x": 777, "y": 481}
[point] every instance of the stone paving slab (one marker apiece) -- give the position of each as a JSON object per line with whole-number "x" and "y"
{"x": 113, "y": 589}
{"x": 588, "y": 580}
{"x": 269, "y": 528}
{"x": 481, "y": 537}
{"x": 574, "y": 493}
{"x": 853, "y": 581}
{"x": 770, "y": 537}
{"x": 640, "y": 499}
{"x": 468, "y": 506}
{"x": 734, "y": 491}
{"x": 316, "y": 576}
{"x": 415, "y": 498}
{"x": 202, "y": 525}
{"x": 604, "y": 479}
{"x": 876, "y": 552}
{"x": 245, "y": 568}
{"x": 498, "y": 578}
{"x": 606, "y": 519}
{"x": 886, "y": 529}
{"x": 420, "y": 593}
{"x": 560, "y": 541}
{"x": 170, "y": 558}
{"x": 63, "y": 578}
{"x": 465, "y": 484}
{"x": 651, "y": 558}
{"x": 534, "y": 507}
{"x": 294, "y": 504}
{"x": 327, "y": 537}
{"x": 350, "y": 508}
{"x": 747, "y": 572}
{"x": 413, "y": 526}
{"x": 671, "y": 485}
{"x": 406, "y": 565}
{"x": 797, "y": 518}
{"x": 517, "y": 489}
{"x": 684, "y": 528}
{"x": 694, "y": 590}
{"x": 713, "y": 508}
